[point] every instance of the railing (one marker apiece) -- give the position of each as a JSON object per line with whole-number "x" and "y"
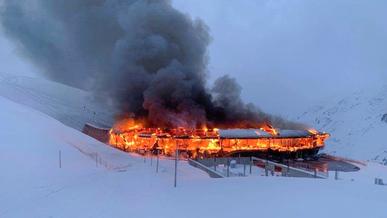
{"x": 346, "y": 159}
{"x": 292, "y": 171}
{"x": 209, "y": 165}
{"x": 211, "y": 172}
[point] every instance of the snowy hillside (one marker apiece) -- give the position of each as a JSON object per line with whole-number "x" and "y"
{"x": 33, "y": 185}
{"x": 71, "y": 106}
{"x": 355, "y": 123}
{"x": 122, "y": 185}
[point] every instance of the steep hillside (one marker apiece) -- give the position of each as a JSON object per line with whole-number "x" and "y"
{"x": 357, "y": 123}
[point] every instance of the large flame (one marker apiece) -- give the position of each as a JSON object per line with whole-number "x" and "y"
{"x": 131, "y": 135}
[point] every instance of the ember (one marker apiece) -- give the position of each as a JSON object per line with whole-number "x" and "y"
{"x": 131, "y": 136}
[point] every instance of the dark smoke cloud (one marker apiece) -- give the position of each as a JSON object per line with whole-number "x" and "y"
{"x": 143, "y": 56}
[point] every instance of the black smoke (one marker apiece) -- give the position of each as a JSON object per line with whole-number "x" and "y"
{"x": 144, "y": 56}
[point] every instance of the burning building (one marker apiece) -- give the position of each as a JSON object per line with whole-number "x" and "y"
{"x": 194, "y": 143}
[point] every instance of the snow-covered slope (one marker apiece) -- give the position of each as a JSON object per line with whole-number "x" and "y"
{"x": 69, "y": 105}
{"x": 354, "y": 122}
{"x": 33, "y": 185}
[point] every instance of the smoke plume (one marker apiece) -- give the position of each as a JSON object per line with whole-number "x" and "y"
{"x": 143, "y": 56}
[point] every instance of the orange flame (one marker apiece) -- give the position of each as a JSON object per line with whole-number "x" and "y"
{"x": 269, "y": 129}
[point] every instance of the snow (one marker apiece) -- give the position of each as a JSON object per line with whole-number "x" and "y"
{"x": 354, "y": 122}
{"x": 242, "y": 133}
{"x": 123, "y": 185}
{"x": 71, "y": 106}
{"x": 32, "y": 184}
{"x": 257, "y": 133}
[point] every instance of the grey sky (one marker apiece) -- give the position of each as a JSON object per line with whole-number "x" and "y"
{"x": 11, "y": 62}
{"x": 284, "y": 51}
{"x": 281, "y": 51}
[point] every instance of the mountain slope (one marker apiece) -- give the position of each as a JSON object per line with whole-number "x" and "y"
{"x": 71, "y": 106}
{"x": 354, "y": 122}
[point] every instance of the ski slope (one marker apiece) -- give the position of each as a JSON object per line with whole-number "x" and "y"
{"x": 122, "y": 185}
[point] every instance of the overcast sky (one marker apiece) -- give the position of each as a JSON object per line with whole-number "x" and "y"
{"x": 285, "y": 54}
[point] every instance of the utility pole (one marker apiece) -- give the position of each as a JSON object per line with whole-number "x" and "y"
{"x": 288, "y": 168}
{"x": 60, "y": 159}
{"x": 215, "y": 163}
{"x": 336, "y": 175}
{"x": 176, "y": 158}
{"x": 157, "y": 162}
{"x": 251, "y": 163}
{"x": 228, "y": 168}
{"x": 96, "y": 159}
